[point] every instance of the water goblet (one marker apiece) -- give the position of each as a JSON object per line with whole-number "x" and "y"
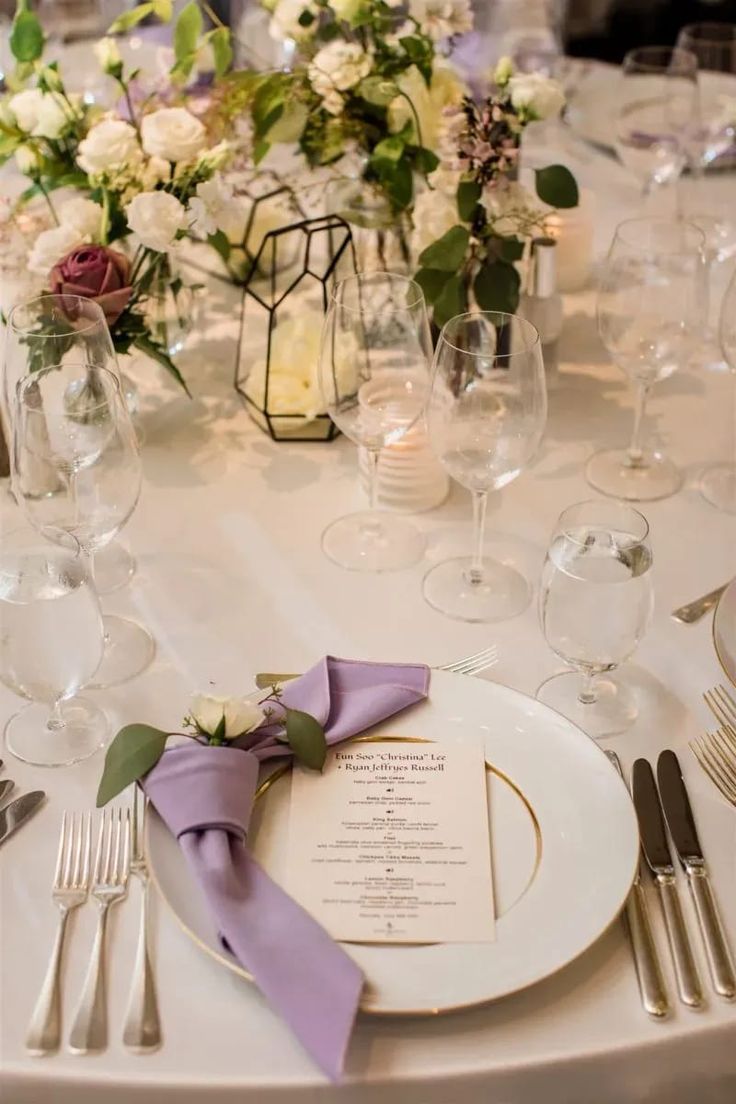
{"x": 51, "y": 644}
{"x": 374, "y": 375}
{"x": 485, "y": 417}
{"x": 595, "y": 604}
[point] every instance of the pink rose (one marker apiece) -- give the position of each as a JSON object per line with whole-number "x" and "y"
{"x": 95, "y": 272}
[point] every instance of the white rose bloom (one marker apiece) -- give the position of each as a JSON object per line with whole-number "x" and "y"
{"x": 54, "y": 115}
{"x": 173, "y": 133}
{"x": 347, "y": 9}
{"x": 155, "y": 171}
{"x": 216, "y": 157}
{"x": 26, "y": 159}
{"x": 441, "y": 19}
{"x": 445, "y": 90}
{"x": 26, "y": 107}
{"x": 107, "y": 53}
{"x": 241, "y": 715}
{"x": 156, "y": 218}
{"x": 51, "y": 245}
{"x": 536, "y": 96}
{"x": 285, "y": 20}
{"x": 335, "y": 68}
{"x": 111, "y": 144}
{"x": 82, "y": 215}
{"x": 210, "y": 208}
{"x": 434, "y": 214}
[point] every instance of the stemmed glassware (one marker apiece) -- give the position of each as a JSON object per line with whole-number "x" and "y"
{"x": 657, "y": 104}
{"x": 51, "y": 644}
{"x": 651, "y": 316}
{"x": 52, "y": 329}
{"x": 374, "y": 376}
{"x": 595, "y": 604}
{"x": 486, "y": 416}
{"x": 718, "y": 481}
{"x": 77, "y": 468}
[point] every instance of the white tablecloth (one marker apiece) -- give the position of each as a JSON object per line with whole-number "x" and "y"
{"x": 231, "y": 580}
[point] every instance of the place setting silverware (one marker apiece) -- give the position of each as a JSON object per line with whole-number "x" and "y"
{"x": 16, "y": 812}
{"x": 695, "y": 610}
{"x": 716, "y": 751}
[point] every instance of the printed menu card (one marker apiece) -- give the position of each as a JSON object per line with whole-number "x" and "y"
{"x": 391, "y": 843}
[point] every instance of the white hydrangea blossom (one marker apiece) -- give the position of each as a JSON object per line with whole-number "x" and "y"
{"x": 441, "y": 19}
{"x": 336, "y": 68}
{"x": 285, "y": 20}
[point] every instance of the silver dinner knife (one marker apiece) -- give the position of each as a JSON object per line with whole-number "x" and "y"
{"x": 644, "y": 949}
{"x": 18, "y": 811}
{"x": 681, "y": 824}
{"x": 5, "y": 787}
{"x": 657, "y": 853}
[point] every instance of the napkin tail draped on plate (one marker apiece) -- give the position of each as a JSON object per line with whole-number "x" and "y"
{"x": 205, "y": 796}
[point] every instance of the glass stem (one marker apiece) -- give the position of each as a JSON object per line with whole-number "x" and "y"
{"x": 373, "y": 455}
{"x": 480, "y": 501}
{"x": 93, "y": 581}
{"x": 56, "y": 717}
{"x": 587, "y": 694}
{"x": 635, "y": 452}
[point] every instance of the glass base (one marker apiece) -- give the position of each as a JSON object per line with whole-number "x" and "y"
{"x": 28, "y": 737}
{"x": 502, "y": 591}
{"x": 114, "y": 568}
{"x": 370, "y": 541}
{"x": 613, "y": 473}
{"x": 718, "y": 486}
{"x": 129, "y": 649}
{"x": 613, "y": 710}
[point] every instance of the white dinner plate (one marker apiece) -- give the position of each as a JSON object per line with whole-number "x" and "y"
{"x": 724, "y": 630}
{"x": 565, "y": 846}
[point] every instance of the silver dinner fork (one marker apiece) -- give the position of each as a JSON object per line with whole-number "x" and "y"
{"x": 69, "y": 891}
{"x": 110, "y": 885}
{"x": 142, "y": 1031}
{"x": 474, "y": 664}
{"x": 722, "y": 705}
{"x": 716, "y": 753}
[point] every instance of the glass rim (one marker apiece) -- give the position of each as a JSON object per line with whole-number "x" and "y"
{"x": 660, "y": 69}
{"x": 356, "y": 277}
{"x": 642, "y": 220}
{"x": 42, "y": 535}
{"x": 530, "y": 328}
{"x": 25, "y": 382}
{"x": 55, "y": 296}
{"x": 623, "y": 508}
{"x": 720, "y": 37}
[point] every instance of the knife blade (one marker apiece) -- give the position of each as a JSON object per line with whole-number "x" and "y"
{"x": 657, "y": 853}
{"x": 681, "y": 823}
{"x": 5, "y": 787}
{"x": 643, "y": 948}
{"x": 18, "y": 811}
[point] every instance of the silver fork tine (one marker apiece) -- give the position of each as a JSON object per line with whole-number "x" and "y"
{"x": 721, "y": 705}
{"x": 716, "y": 754}
{"x": 474, "y": 663}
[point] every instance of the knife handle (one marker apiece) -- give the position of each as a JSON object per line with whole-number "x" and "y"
{"x": 717, "y": 952}
{"x": 686, "y": 972}
{"x": 648, "y": 970}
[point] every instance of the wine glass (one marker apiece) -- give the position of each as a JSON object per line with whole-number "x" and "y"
{"x": 78, "y": 468}
{"x": 595, "y": 604}
{"x": 713, "y": 133}
{"x": 374, "y": 375}
{"x": 718, "y": 481}
{"x": 48, "y": 330}
{"x": 651, "y": 316}
{"x": 657, "y": 103}
{"x": 486, "y": 415}
{"x": 50, "y": 645}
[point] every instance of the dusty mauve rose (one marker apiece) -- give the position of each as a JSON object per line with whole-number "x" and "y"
{"x": 97, "y": 273}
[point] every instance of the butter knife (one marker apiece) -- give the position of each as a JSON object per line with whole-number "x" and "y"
{"x": 18, "y": 811}
{"x": 657, "y": 853}
{"x": 681, "y": 824}
{"x": 5, "y": 787}
{"x": 643, "y": 948}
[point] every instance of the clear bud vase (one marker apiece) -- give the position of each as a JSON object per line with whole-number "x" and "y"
{"x": 380, "y": 234}
{"x": 410, "y": 479}
{"x": 170, "y": 311}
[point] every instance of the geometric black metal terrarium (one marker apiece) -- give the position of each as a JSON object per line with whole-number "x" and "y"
{"x": 285, "y": 297}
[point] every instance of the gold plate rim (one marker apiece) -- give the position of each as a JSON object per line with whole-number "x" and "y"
{"x": 731, "y": 677}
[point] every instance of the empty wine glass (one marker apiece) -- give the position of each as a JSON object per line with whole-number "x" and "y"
{"x": 656, "y": 105}
{"x": 50, "y": 646}
{"x": 51, "y": 329}
{"x": 718, "y": 481}
{"x": 78, "y": 468}
{"x": 651, "y": 316}
{"x": 595, "y": 604}
{"x": 713, "y": 132}
{"x": 486, "y": 416}
{"x": 374, "y": 374}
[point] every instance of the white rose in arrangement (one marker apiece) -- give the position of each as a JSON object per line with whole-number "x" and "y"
{"x": 155, "y": 171}
{"x": 210, "y": 209}
{"x": 285, "y": 20}
{"x": 536, "y": 96}
{"x": 110, "y": 145}
{"x": 336, "y": 68}
{"x": 84, "y": 216}
{"x": 441, "y": 19}
{"x": 173, "y": 133}
{"x": 51, "y": 245}
{"x": 43, "y": 114}
{"x": 347, "y": 9}
{"x": 26, "y": 159}
{"x": 503, "y": 72}
{"x": 445, "y": 90}
{"x": 156, "y": 218}
{"x": 239, "y": 715}
{"x": 215, "y": 158}
{"x": 434, "y": 214}
{"x": 107, "y": 53}
{"x": 25, "y": 107}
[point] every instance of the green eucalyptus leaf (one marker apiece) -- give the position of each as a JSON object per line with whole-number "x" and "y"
{"x": 134, "y": 751}
{"x": 222, "y": 50}
{"x": 130, "y": 19}
{"x": 187, "y": 30}
{"x": 400, "y": 185}
{"x": 267, "y": 679}
{"x": 260, "y": 149}
{"x": 510, "y": 249}
{"x": 496, "y": 287}
{"x": 431, "y": 281}
{"x": 306, "y": 738}
{"x": 163, "y": 10}
{"x": 452, "y": 300}
{"x": 557, "y": 186}
{"x": 448, "y": 253}
{"x": 290, "y": 126}
{"x": 468, "y": 194}
{"x": 379, "y": 91}
{"x": 159, "y": 354}
{"x": 425, "y": 161}
{"x": 390, "y": 149}
{"x": 221, "y": 244}
{"x": 26, "y": 37}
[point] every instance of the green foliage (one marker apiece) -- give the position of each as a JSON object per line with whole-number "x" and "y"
{"x": 448, "y": 253}
{"x": 306, "y": 738}
{"x": 134, "y": 751}
{"x": 420, "y": 52}
{"x": 452, "y": 300}
{"x": 379, "y": 91}
{"x": 222, "y": 50}
{"x": 425, "y": 161}
{"x": 269, "y": 102}
{"x": 26, "y": 37}
{"x": 130, "y": 19}
{"x": 468, "y": 194}
{"x": 187, "y": 30}
{"x": 556, "y": 186}
{"x": 509, "y": 249}
{"x": 267, "y": 679}
{"x": 496, "y": 287}
{"x": 158, "y": 353}
{"x": 220, "y": 243}
{"x": 431, "y": 281}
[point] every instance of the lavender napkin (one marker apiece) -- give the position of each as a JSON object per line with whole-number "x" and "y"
{"x": 205, "y": 796}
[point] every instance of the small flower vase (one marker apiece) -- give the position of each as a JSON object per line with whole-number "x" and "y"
{"x": 380, "y": 235}
{"x": 410, "y": 478}
{"x": 171, "y": 308}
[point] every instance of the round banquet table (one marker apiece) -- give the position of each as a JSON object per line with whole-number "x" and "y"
{"x": 231, "y": 580}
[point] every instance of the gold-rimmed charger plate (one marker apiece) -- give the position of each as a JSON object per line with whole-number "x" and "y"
{"x": 724, "y": 631}
{"x": 564, "y": 841}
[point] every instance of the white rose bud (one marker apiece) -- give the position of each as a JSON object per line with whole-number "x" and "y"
{"x": 82, "y": 215}
{"x": 55, "y": 114}
{"x": 156, "y": 218}
{"x": 173, "y": 133}
{"x": 109, "y": 145}
{"x": 503, "y": 72}
{"x": 535, "y": 96}
{"x": 50, "y": 246}
{"x": 107, "y": 53}
{"x": 25, "y": 107}
{"x": 240, "y": 715}
{"x": 26, "y": 159}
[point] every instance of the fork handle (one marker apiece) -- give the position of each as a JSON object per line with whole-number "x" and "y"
{"x": 44, "y": 1030}
{"x": 142, "y": 1030}
{"x": 89, "y": 1032}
